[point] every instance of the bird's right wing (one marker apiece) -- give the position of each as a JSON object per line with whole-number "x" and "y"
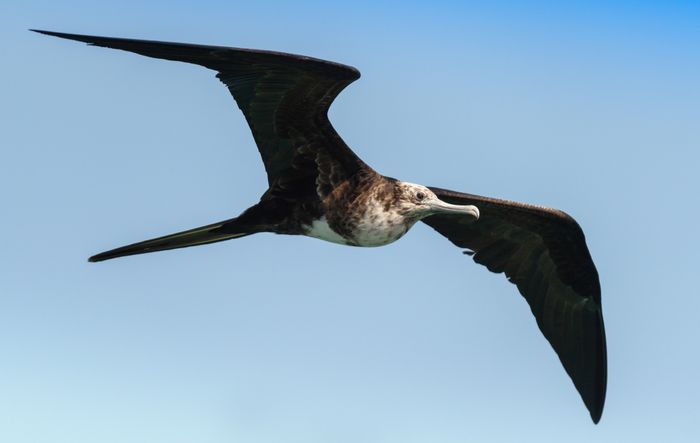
{"x": 285, "y": 99}
{"x": 544, "y": 253}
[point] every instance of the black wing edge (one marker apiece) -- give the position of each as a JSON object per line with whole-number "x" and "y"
{"x": 592, "y": 390}
{"x": 146, "y": 47}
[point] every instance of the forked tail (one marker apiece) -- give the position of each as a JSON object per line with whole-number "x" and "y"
{"x": 213, "y": 233}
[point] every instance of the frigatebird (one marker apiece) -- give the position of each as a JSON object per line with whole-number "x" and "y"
{"x": 320, "y": 188}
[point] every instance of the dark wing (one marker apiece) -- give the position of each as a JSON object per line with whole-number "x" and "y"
{"x": 285, "y": 99}
{"x": 542, "y": 251}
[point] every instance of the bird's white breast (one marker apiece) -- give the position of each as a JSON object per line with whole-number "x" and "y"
{"x": 320, "y": 229}
{"x": 373, "y": 227}
{"x": 378, "y": 227}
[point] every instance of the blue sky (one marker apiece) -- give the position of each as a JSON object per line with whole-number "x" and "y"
{"x": 590, "y": 107}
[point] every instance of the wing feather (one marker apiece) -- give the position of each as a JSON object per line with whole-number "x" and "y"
{"x": 544, "y": 253}
{"x": 285, "y": 99}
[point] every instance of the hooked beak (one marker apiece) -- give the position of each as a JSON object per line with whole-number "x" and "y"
{"x": 438, "y": 206}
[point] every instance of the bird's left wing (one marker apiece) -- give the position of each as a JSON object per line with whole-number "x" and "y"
{"x": 285, "y": 99}
{"x": 544, "y": 253}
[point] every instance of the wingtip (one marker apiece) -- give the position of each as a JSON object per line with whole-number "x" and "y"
{"x": 77, "y": 37}
{"x": 41, "y": 31}
{"x": 596, "y": 411}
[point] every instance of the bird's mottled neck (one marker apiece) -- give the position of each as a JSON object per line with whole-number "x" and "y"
{"x": 366, "y": 211}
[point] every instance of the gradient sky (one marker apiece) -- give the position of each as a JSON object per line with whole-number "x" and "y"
{"x": 590, "y": 107}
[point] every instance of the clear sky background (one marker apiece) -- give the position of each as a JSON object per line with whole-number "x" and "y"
{"x": 591, "y": 107}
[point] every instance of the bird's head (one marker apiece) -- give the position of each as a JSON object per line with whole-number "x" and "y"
{"x": 417, "y": 201}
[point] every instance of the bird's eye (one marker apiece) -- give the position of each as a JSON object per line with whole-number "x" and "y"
{"x": 420, "y": 195}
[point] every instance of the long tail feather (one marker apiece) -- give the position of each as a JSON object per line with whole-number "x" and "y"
{"x": 198, "y": 236}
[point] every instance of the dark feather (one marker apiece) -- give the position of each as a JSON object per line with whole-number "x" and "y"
{"x": 204, "y": 235}
{"x": 312, "y": 173}
{"x": 285, "y": 99}
{"x": 544, "y": 253}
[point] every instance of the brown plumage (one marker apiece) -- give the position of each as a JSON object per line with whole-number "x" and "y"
{"x": 320, "y": 188}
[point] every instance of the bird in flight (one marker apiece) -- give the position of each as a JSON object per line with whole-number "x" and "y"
{"x": 320, "y": 188}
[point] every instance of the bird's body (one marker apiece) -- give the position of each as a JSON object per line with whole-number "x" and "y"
{"x": 374, "y": 212}
{"x": 320, "y": 188}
